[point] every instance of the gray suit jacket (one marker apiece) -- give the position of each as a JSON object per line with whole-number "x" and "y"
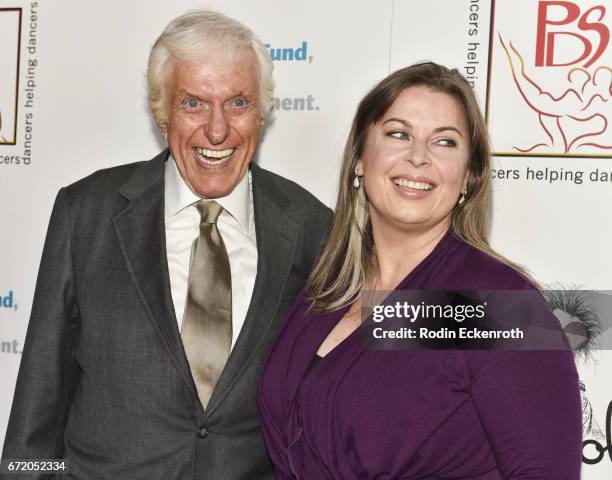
{"x": 104, "y": 380}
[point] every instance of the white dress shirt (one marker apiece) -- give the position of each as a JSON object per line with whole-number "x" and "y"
{"x": 237, "y": 228}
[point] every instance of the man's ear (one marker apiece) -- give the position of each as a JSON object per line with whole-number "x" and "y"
{"x": 163, "y": 129}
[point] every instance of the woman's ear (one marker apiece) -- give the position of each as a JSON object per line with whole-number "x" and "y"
{"x": 466, "y": 180}
{"x": 359, "y": 168}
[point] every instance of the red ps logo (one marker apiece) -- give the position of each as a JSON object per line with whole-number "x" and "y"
{"x": 545, "y": 46}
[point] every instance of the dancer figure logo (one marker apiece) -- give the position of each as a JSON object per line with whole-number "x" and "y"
{"x": 10, "y": 36}
{"x": 551, "y": 79}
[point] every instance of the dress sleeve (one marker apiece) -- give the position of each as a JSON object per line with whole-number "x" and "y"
{"x": 529, "y": 406}
{"x": 271, "y": 398}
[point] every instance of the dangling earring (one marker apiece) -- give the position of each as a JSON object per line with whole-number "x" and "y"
{"x": 462, "y": 197}
{"x": 356, "y": 182}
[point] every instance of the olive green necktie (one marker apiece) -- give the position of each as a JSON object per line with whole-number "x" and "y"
{"x": 207, "y": 321}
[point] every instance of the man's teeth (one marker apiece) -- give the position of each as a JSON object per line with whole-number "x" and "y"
{"x": 404, "y": 183}
{"x": 214, "y": 156}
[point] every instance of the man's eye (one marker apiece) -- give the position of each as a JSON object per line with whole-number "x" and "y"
{"x": 398, "y": 135}
{"x": 192, "y": 103}
{"x": 238, "y": 103}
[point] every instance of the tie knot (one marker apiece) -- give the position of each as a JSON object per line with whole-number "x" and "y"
{"x": 209, "y": 210}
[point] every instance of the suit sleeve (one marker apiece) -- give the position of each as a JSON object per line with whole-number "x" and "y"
{"x": 529, "y": 405}
{"x": 48, "y": 373}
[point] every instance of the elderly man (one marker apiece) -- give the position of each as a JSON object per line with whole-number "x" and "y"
{"x": 163, "y": 283}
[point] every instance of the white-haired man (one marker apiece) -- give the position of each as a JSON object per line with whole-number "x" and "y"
{"x": 163, "y": 283}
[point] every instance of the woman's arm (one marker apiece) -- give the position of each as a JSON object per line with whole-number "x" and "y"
{"x": 529, "y": 405}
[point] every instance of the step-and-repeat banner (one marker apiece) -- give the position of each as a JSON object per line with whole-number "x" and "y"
{"x": 73, "y": 100}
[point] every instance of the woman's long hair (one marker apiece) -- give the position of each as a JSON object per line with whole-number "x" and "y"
{"x": 348, "y": 258}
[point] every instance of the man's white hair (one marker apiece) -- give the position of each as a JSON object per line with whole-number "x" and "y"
{"x": 190, "y": 38}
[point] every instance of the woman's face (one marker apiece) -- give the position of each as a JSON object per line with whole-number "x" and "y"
{"x": 414, "y": 164}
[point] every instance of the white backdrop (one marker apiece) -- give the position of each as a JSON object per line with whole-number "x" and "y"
{"x": 82, "y": 106}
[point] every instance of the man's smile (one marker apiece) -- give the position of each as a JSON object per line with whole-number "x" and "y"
{"x": 213, "y": 157}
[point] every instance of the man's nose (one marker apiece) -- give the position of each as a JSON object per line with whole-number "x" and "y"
{"x": 217, "y": 128}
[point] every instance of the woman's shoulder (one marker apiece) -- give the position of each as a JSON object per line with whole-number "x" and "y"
{"x": 302, "y": 311}
{"x": 478, "y": 270}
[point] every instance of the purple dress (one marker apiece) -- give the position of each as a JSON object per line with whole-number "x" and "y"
{"x": 429, "y": 414}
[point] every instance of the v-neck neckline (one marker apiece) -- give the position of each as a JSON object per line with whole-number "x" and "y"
{"x": 337, "y": 315}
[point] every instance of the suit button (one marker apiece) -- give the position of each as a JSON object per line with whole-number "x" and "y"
{"x": 202, "y": 433}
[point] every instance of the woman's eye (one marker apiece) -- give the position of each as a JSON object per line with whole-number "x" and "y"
{"x": 399, "y": 135}
{"x": 447, "y": 142}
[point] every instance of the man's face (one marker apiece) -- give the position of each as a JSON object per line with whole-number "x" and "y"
{"x": 213, "y": 121}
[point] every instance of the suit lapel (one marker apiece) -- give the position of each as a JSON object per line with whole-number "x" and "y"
{"x": 276, "y": 239}
{"x": 140, "y": 231}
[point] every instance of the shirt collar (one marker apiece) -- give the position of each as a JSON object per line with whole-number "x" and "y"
{"x": 178, "y": 196}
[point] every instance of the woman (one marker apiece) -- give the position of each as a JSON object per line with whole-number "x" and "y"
{"x": 412, "y": 215}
